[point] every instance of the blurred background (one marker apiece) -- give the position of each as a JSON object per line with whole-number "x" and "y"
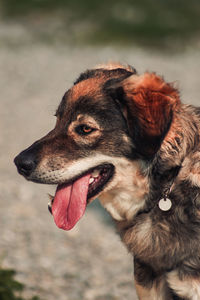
{"x": 166, "y": 23}
{"x": 44, "y": 45}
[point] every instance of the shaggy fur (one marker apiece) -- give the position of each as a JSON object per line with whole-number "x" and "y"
{"x": 147, "y": 141}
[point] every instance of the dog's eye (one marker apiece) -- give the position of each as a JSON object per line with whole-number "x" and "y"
{"x": 84, "y": 129}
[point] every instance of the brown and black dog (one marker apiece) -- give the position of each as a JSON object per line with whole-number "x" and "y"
{"x": 128, "y": 140}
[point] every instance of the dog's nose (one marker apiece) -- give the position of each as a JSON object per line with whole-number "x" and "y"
{"x": 25, "y": 162}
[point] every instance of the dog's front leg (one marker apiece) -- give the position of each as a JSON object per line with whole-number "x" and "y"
{"x": 142, "y": 292}
{"x": 155, "y": 292}
{"x": 148, "y": 285}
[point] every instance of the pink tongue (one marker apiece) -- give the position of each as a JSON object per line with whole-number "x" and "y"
{"x": 70, "y": 202}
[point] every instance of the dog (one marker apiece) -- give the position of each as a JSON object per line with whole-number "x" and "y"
{"x": 128, "y": 140}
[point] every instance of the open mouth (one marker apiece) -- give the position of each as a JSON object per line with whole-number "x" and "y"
{"x": 71, "y": 198}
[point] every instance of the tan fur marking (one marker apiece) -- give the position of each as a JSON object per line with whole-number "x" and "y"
{"x": 86, "y": 120}
{"x": 187, "y": 288}
{"x": 191, "y": 169}
{"x": 89, "y": 88}
{"x": 128, "y": 192}
{"x": 92, "y": 87}
{"x": 114, "y": 65}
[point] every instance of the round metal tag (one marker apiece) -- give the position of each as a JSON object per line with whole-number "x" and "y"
{"x": 165, "y": 204}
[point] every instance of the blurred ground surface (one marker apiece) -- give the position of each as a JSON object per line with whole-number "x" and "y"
{"x": 89, "y": 262}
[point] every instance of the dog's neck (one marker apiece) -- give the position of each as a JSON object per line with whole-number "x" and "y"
{"x": 128, "y": 195}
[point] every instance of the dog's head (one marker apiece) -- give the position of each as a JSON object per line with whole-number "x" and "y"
{"x": 108, "y": 121}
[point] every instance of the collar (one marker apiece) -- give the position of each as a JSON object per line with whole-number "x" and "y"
{"x": 160, "y": 188}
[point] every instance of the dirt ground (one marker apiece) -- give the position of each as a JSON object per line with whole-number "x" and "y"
{"x": 89, "y": 262}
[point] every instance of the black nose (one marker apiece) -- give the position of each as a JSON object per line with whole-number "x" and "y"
{"x": 25, "y": 162}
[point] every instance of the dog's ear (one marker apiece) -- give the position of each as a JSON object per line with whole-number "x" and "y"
{"x": 148, "y": 103}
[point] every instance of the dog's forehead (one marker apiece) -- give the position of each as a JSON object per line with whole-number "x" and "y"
{"x": 90, "y": 86}
{"x": 90, "y": 89}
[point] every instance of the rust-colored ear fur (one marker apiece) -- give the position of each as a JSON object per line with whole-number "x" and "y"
{"x": 150, "y": 105}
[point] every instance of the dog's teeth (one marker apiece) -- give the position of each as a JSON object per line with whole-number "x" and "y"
{"x": 91, "y": 180}
{"x": 95, "y": 173}
{"x": 51, "y": 198}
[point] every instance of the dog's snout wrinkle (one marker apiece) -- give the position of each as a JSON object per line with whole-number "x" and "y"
{"x": 25, "y": 163}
